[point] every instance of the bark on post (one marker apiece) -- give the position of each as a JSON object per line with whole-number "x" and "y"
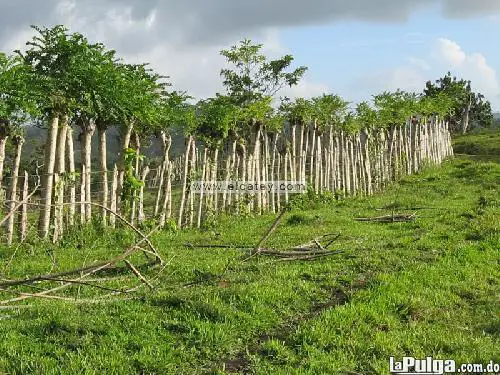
{"x": 23, "y": 222}
{"x": 88, "y": 128}
{"x": 59, "y": 179}
{"x": 103, "y": 164}
{"x": 192, "y": 171}
{"x": 125, "y": 143}
{"x": 184, "y": 181}
{"x": 166, "y": 142}
{"x": 140, "y": 215}
{"x": 113, "y": 203}
{"x": 18, "y": 143}
{"x": 72, "y": 178}
{"x": 48, "y": 176}
{"x": 203, "y": 172}
{"x": 3, "y": 142}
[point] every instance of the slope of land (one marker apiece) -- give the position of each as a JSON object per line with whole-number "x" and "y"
{"x": 484, "y": 143}
{"x": 428, "y": 287}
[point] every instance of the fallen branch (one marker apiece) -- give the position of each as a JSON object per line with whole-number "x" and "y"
{"x": 210, "y": 246}
{"x": 273, "y": 227}
{"x": 389, "y": 218}
{"x": 138, "y": 274}
{"x": 309, "y": 257}
{"x": 90, "y": 270}
{"x": 82, "y": 283}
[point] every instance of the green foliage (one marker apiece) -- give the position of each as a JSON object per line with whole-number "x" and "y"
{"x": 423, "y": 287}
{"x": 300, "y": 111}
{"x": 258, "y": 110}
{"x": 483, "y": 143}
{"x": 142, "y": 89}
{"x": 395, "y": 108}
{"x": 131, "y": 184}
{"x": 329, "y": 110}
{"x": 216, "y": 118}
{"x": 17, "y": 103}
{"x": 253, "y": 76}
{"x": 459, "y": 94}
{"x": 300, "y": 218}
{"x": 366, "y": 116}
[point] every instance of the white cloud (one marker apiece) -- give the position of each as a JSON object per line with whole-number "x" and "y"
{"x": 445, "y": 55}
{"x": 450, "y": 52}
{"x": 305, "y": 89}
{"x": 471, "y": 66}
{"x": 418, "y": 62}
{"x": 404, "y": 77}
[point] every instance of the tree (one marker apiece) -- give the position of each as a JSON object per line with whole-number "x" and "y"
{"x": 141, "y": 89}
{"x": 17, "y": 102}
{"x": 253, "y": 76}
{"x": 55, "y": 57}
{"x": 395, "y": 108}
{"x": 468, "y": 107}
{"x": 217, "y": 118}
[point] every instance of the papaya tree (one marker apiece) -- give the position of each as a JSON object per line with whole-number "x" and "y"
{"x": 59, "y": 61}
{"x": 170, "y": 110}
{"x": 143, "y": 88}
{"x": 17, "y": 101}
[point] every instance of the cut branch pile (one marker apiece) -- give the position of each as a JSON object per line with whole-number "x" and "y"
{"x": 314, "y": 249}
{"x": 64, "y": 281}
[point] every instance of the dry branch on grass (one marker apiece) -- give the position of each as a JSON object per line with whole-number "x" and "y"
{"x": 316, "y": 248}
{"x": 85, "y": 272}
{"x": 394, "y": 218}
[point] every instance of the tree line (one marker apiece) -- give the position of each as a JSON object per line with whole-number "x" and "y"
{"x": 65, "y": 83}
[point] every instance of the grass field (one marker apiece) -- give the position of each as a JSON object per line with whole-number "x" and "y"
{"x": 484, "y": 143}
{"x": 428, "y": 287}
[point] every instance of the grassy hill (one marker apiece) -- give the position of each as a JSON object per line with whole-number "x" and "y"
{"x": 427, "y": 287}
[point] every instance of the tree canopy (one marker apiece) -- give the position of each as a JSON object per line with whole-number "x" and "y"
{"x": 467, "y": 107}
{"x": 253, "y": 76}
{"x": 63, "y": 72}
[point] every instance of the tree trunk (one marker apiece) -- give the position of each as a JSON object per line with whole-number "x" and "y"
{"x": 137, "y": 144}
{"x": 23, "y": 222}
{"x": 203, "y": 172}
{"x": 113, "y": 196}
{"x": 167, "y": 142}
{"x": 3, "y": 142}
{"x": 88, "y": 129}
{"x": 70, "y": 155}
{"x": 18, "y": 142}
{"x": 103, "y": 164}
{"x": 59, "y": 179}
{"x": 192, "y": 171}
{"x": 184, "y": 181}
{"x": 48, "y": 176}
{"x": 273, "y": 166}
{"x": 466, "y": 115}
{"x": 214, "y": 178}
{"x": 367, "y": 163}
{"x": 125, "y": 143}
{"x": 140, "y": 215}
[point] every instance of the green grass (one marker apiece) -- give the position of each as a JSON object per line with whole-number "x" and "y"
{"x": 423, "y": 288}
{"x": 484, "y": 143}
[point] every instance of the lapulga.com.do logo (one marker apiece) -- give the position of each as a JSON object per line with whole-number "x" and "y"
{"x": 427, "y": 366}
{"x": 430, "y": 366}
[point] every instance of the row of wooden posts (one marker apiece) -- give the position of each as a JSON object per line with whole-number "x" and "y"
{"x": 324, "y": 159}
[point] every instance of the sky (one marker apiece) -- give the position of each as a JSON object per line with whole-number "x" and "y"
{"x": 353, "y": 48}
